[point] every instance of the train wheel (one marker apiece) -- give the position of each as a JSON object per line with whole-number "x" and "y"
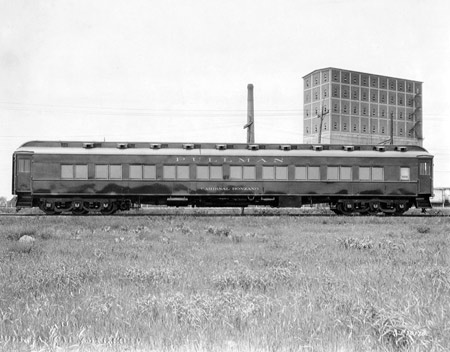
{"x": 49, "y": 208}
{"x": 345, "y": 208}
{"x": 108, "y": 208}
{"x": 78, "y": 209}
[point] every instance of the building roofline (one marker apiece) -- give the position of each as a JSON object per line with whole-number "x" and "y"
{"x": 367, "y": 73}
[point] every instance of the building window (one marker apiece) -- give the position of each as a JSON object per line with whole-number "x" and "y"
{"x": 344, "y": 126}
{"x": 355, "y": 127}
{"x": 335, "y": 125}
{"x": 383, "y": 130}
{"x": 374, "y": 129}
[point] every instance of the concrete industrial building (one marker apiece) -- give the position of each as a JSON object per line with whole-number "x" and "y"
{"x": 348, "y": 107}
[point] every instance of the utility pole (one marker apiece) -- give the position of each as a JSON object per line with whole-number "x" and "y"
{"x": 391, "y": 140}
{"x": 321, "y": 116}
{"x": 250, "y": 126}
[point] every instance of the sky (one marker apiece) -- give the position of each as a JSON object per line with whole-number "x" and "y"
{"x": 178, "y": 70}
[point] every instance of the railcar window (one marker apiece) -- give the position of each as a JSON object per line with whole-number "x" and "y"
{"x": 24, "y": 165}
{"x": 149, "y": 172}
{"x": 377, "y": 174}
{"x": 136, "y": 172}
{"x": 371, "y": 173}
{"x": 67, "y": 171}
{"x": 202, "y": 172}
{"x": 115, "y": 172}
{"x": 268, "y": 173}
{"x": 313, "y": 173}
{"x": 182, "y": 172}
{"x": 249, "y": 173}
{"x": 81, "y": 172}
{"x": 78, "y": 172}
{"x": 300, "y": 173}
{"x": 281, "y": 172}
{"x": 364, "y": 174}
{"x": 345, "y": 173}
{"x": 169, "y": 172}
{"x": 236, "y": 172}
{"x": 101, "y": 171}
{"x": 209, "y": 172}
{"x": 425, "y": 169}
{"x": 333, "y": 173}
{"x": 405, "y": 173}
{"x": 215, "y": 173}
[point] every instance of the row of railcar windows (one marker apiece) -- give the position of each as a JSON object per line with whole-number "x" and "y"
{"x": 210, "y": 172}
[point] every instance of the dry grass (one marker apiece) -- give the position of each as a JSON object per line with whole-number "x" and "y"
{"x": 225, "y": 284}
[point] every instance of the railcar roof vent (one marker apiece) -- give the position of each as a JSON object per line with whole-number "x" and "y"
{"x": 380, "y": 148}
{"x": 401, "y": 149}
{"x": 349, "y": 148}
{"x": 221, "y": 146}
{"x": 88, "y": 145}
{"x": 155, "y": 146}
{"x": 122, "y": 145}
{"x": 253, "y": 147}
{"x": 188, "y": 146}
{"x": 285, "y": 147}
{"x": 317, "y": 148}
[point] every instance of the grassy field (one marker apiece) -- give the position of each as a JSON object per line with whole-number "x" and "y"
{"x": 184, "y": 283}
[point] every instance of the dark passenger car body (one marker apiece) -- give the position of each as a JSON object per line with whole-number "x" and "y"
{"x": 107, "y": 176}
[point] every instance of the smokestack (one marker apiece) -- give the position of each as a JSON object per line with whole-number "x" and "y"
{"x": 250, "y": 126}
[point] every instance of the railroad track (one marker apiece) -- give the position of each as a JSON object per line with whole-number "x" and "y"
{"x": 231, "y": 213}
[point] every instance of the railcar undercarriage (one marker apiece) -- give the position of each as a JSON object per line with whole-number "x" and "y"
{"x": 340, "y": 206}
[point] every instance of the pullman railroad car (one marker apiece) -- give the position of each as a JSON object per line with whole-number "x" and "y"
{"x": 104, "y": 177}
